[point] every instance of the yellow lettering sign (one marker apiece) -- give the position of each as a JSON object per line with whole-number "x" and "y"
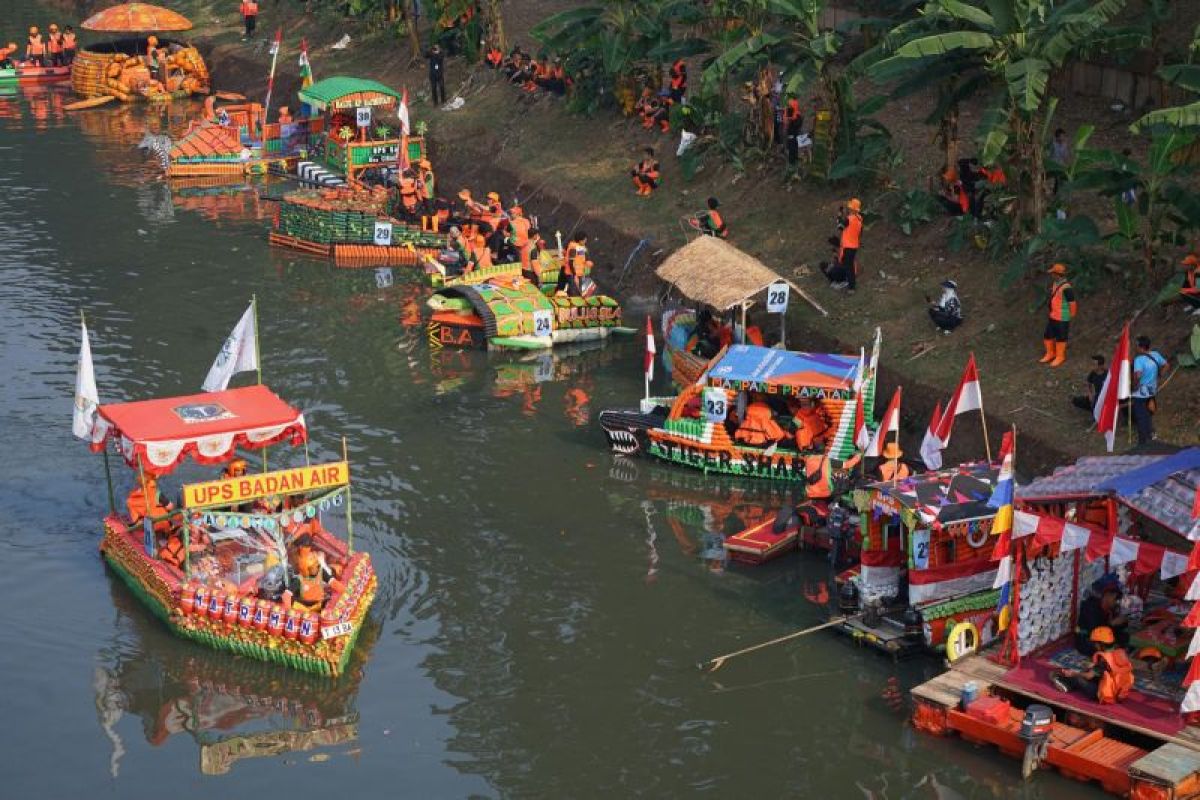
{"x": 231, "y": 491}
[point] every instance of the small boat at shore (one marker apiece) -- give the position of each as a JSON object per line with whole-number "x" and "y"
{"x": 26, "y": 73}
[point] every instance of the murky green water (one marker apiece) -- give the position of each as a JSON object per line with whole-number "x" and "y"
{"x": 541, "y": 609}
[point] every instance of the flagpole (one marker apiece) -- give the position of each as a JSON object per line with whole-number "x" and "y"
{"x": 349, "y": 514}
{"x": 257, "y": 352}
{"x": 987, "y": 446}
{"x": 271, "y": 79}
{"x": 896, "y": 460}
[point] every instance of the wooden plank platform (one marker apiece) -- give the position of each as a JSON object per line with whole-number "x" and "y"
{"x": 887, "y": 636}
{"x": 946, "y": 689}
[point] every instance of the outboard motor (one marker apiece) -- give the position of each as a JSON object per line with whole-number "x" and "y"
{"x": 848, "y": 598}
{"x": 912, "y": 623}
{"x": 1035, "y": 732}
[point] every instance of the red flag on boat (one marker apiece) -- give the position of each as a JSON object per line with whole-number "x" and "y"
{"x": 1115, "y": 389}
{"x": 648, "y": 364}
{"x": 890, "y": 424}
{"x": 931, "y": 448}
{"x": 403, "y": 114}
{"x": 967, "y": 397}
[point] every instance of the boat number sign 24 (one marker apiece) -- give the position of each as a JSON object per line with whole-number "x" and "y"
{"x": 543, "y": 322}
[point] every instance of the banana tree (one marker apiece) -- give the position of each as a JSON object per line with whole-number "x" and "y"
{"x": 1016, "y": 44}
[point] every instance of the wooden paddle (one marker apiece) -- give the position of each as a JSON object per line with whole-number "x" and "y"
{"x": 229, "y": 96}
{"x": 91, "y": 102}
{"x": 714, "y": 664}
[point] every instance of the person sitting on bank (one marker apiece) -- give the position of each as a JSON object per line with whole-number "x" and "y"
{"x": 1109, "y": 679}
{"x": 710, "y": 222}
{"x": 759, "y": 427}
{"x": 1101, "y": 610}
{"x": 1190, "y": 290}
{"x": 953, "y": 196}
{"x": 812, "y": 423}
{"x": 890, "y": 466}
{"x": 1094, "y": 383}
{"x": 946, "y": 313}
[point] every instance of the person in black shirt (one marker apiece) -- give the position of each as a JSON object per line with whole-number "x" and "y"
{"x": 1095, "y": 382}
{"x": 1101, "y": 610}
{"x": 437, "y": 78}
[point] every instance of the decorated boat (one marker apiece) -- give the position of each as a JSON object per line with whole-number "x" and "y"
{"x": 236, "y": 139}
{"x": 248, "y": 563}
{"x": 547, "y": 265}
{"x": 26, "y": 73}
{"x": 516, "y": 314}
{"x": 701, "y": 428}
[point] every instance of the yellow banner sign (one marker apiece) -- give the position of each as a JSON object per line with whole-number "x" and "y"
{"x": 231, "y": 491}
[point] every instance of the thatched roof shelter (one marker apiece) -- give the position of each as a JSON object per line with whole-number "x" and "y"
{"x": 715, "y": 273}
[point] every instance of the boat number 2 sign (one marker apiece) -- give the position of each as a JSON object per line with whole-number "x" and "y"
{"x": 363, "y": 115}
{"x": 716, "y": 404}
{"x": 920, "y": 549}
{"x": 777, "y": 297}
{"x": 383, "y": 234}
{"x": 543, "y": 322}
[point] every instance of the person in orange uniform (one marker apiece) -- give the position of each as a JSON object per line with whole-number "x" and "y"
{"x": 426, "y": 185}
{"x": 69, "y": 45}
{"x": 1190, "y": 291}
{"x": 819, "y": 475}
{"x": 408, "y": 195}
{"x": 35, "y": 48}
{"x": 645, "y": 174}
{"x": 1109, "y": 679}
{"x": 891, "y": 467}
{"x": 711, "y": 223}
{"x": 679, "y": 80}
{"x": 234, "y": 469}
{"x": 851, "y": 238}
{"x": 310, "y": 592}
{"x": 812, "y": 423}
{"x": 249, "y": 9}
{"x": 157, "y": 506}
{"x": 1062, "y": 310}
{"x": 758, "y": 426}
{"x": 519, "y": 227}
{"x": 54, "y": 45}
{"x": 6, "y": 54}
{"x": 575, "y": 265}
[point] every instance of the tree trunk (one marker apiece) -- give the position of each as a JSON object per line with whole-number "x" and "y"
{"x": 414, "y": 38}
{"x": 495, "y": 25}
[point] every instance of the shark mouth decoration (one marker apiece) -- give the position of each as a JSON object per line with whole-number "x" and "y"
{"x": 626, "y": 429}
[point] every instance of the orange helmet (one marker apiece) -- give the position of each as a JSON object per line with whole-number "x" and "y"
{"x": 1102, "y": 635}
{"x": 855, "y": 204}
{"x": 1058, "y": 269}
{"x": 237, "y": 467}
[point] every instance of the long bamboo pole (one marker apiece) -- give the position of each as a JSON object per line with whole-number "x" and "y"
{"x": 714, "y": 664}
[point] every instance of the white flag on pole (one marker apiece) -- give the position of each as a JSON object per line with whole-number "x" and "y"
{"x": 238, "y": 354}
{"x": 402, "y": 113}
{"x": 87, "y": 399}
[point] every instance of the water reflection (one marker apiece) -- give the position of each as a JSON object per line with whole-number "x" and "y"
{"x": 232, "y": 708}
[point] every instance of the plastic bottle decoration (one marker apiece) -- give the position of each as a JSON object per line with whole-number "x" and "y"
{"x": 200, "y": 607}
{"x": 291, "y": 624}
{"x": 216, "y": 604}
{"x": 245, "y": 615}
{"x": 187, "y": 599}
{"x": 308, "y": 628}
{"x": 262, "y": 610}
{"x": 275, "y": 620}
{"x": 230, "y": 613}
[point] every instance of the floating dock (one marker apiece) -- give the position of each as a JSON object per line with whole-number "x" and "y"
{"x": 1124, "y": 758}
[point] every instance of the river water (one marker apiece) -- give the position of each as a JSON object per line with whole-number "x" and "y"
{"x": 541, "y": 609}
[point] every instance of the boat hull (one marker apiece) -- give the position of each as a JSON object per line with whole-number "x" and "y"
{"x": 27, "y": 75}
{"x": 161, "y": 589}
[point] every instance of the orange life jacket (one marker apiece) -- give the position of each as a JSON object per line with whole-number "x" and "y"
{"x": 408, "y": 193}
{"x": 852, "y": 233}
{"x": 1190, "y": 280}
{"x": 172, "y": 552}
{"x": 494, "y": 57}
{"x": 249, "y": 8}
{"x": 68, "y": 41}
{"x": 648, "y": 168}
{"x": 36, "y": 46}
{"x": 55, "y": 42}
{"x": 138, "y": 508}
{"x": 759, "y": 426}
{"x": 792, "y": 111}
{"x": 716, "y": 224}
{"x": 1060, "y": 309}
{"x": 1117, "y": 680}
{"x": 899, "y": 470}
{"x": 520, "y": 231}
{"x": 819, "y": 472}
{"x": 812, "y": 423}
{"x": 678, "y": 75}
{"x": 312, "y": 590}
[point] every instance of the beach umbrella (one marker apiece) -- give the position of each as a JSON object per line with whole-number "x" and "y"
{"x": 136, "y": 18}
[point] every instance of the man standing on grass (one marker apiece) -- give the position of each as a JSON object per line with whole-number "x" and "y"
{"x": 1146, "y": 366}
{"x": 437, "y": 75}
{"x": 249, "y": 11}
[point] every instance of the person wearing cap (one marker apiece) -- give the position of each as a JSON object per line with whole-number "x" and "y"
{"x": 946, "y": 313}
{"x": 54, "y": 45}
{"x": 35, "y": 48}
{"x": 234, "y": 469}
{"x": 1062, "y": 309}
{"x": 1101, "y": 609}
{"x": 891, "y": 468}
{"x": 1146, "y": 367}
{"x": 518, "y": 236}
{"x": 851, "y": 239}
{"x": 1110, "y": 678}
{"x": 1190, "y": 290}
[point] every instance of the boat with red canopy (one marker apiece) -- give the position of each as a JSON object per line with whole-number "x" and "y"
{"x": 247, "y": 561}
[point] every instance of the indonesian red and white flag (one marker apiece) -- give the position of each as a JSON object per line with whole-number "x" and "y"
{"x": 1116, "y": 388}
{"x": 405, "y": 128}
{"x": 862, "y": 435}
{"x": 931, "y": 448}
{"x": 648, "y": 363}
{"x": 87, "y": 399}
{"x": 967, "y": 397}
{"x": 889, "y": 425}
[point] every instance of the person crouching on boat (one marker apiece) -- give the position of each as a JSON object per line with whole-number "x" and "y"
{"x": 823, "y": 478}
{"x": 812, "y": 423}
{"x": 157, "y": 506}
{"x": 35, "y": 48}
{"x": 759, "y": 427}
{"x": 6, "y": 54}
{"x": 308, "y": 586}
{"x": 1108, "y": 680}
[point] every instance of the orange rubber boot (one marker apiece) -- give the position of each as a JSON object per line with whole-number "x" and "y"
{"x": 1049, "y": 345}
{"x": 1060, "y": 354}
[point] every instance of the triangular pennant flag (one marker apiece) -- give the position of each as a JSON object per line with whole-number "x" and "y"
{"x": 1074, "y": 537}
{"x": 402, "y": 113}
{"x": 87, "y": 398}
{"x": 1123, "y": 551}
{"x": 889, "y": 425}
{"x": 1114, "y": 390}
{"x": 1003, "y": 573}
{"x": 1193, "y": 592}
{"x": 1193, "y": 673}
{"x": 1191, "y": 700}
{"x": 1194, "y": 647}
{"x": 238, "y": 354}
{"x": 931, "y": 448}
{"x": 967, "y": 397}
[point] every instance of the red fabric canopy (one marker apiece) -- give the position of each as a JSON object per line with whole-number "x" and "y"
{"x": 208, "y": 426}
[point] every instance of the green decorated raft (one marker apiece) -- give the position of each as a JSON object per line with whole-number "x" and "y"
{"x": 516, "y": 314}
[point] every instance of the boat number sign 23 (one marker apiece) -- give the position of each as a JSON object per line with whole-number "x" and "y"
{"x": 716, "y": 404}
